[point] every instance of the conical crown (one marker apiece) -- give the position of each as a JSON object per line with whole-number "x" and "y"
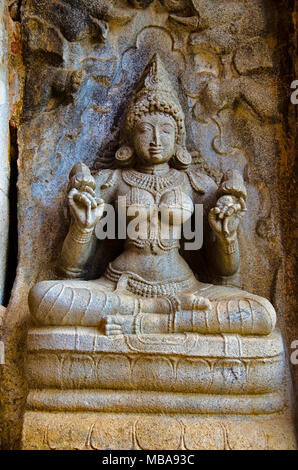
{"x": 156, "y": 80}
{"x": 156, "y": 93}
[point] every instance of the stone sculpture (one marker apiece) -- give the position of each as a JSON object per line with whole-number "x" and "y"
{"x": 162, "y": 348}
{"x": 145, "y": 355}
{"x": 150, "y": 288}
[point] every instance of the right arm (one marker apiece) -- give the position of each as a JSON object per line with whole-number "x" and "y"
{"x": 86, "y": 211}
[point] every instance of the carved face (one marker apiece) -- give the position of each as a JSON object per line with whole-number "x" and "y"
{"x": 154, "y": 138}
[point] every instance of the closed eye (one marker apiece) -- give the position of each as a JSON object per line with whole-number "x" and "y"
{"x": 167, "y": 129}
{"x": 145, "y": 127}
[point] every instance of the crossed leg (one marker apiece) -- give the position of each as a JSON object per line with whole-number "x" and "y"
{"x": 207, "y": 309}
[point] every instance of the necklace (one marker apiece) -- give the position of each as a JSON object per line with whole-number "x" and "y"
{"x": 156, "y": 183}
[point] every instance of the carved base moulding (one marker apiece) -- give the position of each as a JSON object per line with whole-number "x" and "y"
{"x": 192, "y": 391}
{"x": 82, "y": 359}
{"x": 104, "y": 431}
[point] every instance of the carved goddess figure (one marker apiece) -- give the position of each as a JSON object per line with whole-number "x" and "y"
{"x": 150, "y": 288}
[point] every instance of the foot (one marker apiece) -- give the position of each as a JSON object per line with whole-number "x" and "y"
{"x": 112, "y": 325}
{"x": 190, "y": 301}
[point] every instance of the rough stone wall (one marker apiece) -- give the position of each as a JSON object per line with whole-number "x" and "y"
{"x": 82, "y": 61}
{"x": 288, "y": 201}
{"x": 4, "y": 146}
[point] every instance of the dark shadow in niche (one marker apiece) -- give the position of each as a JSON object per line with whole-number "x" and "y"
{"x": 14, "y": 7}
{"x": 12, "y": 258}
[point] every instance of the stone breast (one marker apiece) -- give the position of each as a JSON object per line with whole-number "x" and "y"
{"x": 173, "y": 207}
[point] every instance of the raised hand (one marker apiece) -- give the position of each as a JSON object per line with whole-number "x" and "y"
{"x": 85, "y": 208}
{"x": 225, "y": 217}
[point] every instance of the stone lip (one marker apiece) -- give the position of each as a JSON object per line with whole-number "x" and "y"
{"x": 124, "y": 401}
{"x": 83, "y": 339}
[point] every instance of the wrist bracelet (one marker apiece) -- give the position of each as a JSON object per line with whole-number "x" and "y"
{"x": 72, "y": 273}
{"x": 80, "y": 235}
{"x": 230, "y": 248}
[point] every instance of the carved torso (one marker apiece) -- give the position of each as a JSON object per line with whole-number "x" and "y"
{"x": 161, "y": 203}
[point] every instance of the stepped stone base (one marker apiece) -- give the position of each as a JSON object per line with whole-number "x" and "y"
{"x": 89, "y": 391}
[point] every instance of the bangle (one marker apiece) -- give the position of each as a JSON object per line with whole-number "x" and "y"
{"x": 230, "y": 248}
{"x": 80, "y": 235}
{"x": 72, "y": 273}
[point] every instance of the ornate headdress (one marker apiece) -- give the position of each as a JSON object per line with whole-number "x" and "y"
{"x": 156, "y": 93}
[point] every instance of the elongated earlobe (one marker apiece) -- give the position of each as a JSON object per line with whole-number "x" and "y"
{"x": 124, "y": 155}
{"x": 182, "y": 158}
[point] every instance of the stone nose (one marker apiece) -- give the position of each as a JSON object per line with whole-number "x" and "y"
{"x": 156, "y": 137}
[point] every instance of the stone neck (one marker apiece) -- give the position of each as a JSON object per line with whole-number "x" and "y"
{"x": 157, "y": 169}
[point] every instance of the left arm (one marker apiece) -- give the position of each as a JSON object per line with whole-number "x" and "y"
{"x": 224, "y": 220}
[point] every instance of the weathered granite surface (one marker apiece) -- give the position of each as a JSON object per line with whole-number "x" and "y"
{"x": 231, "y": 61}
{"x": 207, "y": 383}
{"x": 81, "y": 358}
{"x": 4, "y": 145}
{"x": 94, "y": 431}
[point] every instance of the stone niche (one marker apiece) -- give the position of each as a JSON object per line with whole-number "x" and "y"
{"x": 230, "y": 62}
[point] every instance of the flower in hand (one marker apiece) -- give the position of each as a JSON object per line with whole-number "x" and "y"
{"x": 225, "y": 217}
{"x": 85, "y": 208}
